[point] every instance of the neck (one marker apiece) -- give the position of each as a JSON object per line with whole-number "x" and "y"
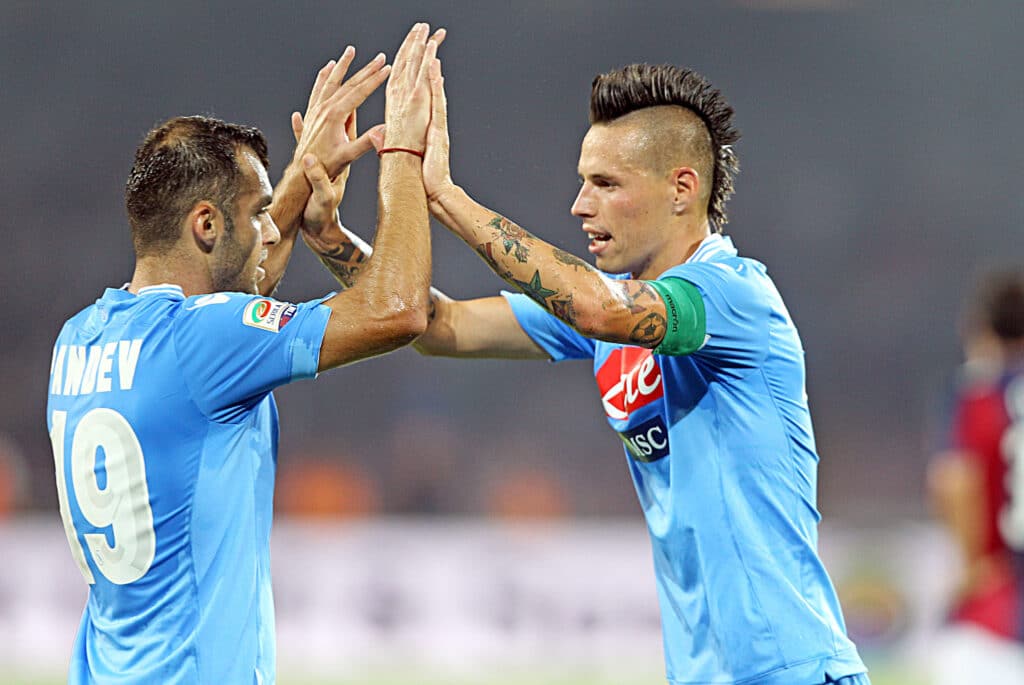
{"x": 684, "y": 237}
{"x": 192, "y": 278}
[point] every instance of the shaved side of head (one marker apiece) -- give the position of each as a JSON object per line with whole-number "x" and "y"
{"x": 669, "y": 137}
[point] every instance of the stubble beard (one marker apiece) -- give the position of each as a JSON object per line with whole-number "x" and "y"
{"x": 232, "y": 272}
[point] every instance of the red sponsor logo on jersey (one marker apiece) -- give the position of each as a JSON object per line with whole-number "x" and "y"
{"x": 629, "y": 379}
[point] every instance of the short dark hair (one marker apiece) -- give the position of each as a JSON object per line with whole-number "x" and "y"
{"x": 1000, "y": 305}
{"x": 638, "y": 86}
{"x": 181, "y": 162}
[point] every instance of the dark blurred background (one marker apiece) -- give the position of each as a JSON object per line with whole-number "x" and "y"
{"x": 881, "y": 160}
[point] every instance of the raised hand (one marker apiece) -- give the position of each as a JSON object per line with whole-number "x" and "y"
{"x": 320, "y": 223}
{"x": 437, "y": 177}
{"x": 407, "y": 105}
{"x": 324, "y": 130}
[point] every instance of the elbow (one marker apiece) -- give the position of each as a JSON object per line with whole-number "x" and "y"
{"x": 590, "y": 324}
{"x": 406, "y": 321}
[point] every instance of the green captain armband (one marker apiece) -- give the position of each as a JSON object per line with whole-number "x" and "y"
{"x": 686, "y": 325}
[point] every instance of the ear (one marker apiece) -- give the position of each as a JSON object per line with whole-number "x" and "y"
{"x": 686, "y": 188}
{"x": 205, "y": 223}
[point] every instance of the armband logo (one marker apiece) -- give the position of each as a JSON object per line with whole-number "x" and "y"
{"x": 270, "y": 315}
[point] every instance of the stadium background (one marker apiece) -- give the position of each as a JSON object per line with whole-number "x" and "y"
{"x": 881, "y": 160}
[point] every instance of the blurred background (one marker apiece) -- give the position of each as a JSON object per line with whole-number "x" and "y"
{"x": 881, "y": 156}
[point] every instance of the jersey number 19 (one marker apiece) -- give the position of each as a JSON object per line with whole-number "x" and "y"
{"x": 122, "y": 505}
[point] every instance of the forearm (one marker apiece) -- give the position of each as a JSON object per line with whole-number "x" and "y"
{"x": 290, "y": 196}
{"x": 562, "y": 283}
{"x": 341, "y": 251}
{"x": 397, "y": 277}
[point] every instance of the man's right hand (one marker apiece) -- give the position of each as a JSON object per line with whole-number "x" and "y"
{"x": 407, "y": 104}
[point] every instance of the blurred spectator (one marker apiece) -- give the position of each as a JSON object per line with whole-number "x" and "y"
{"x": 13, "y": 477}
{"x": 325, "y": 487}
{"x": 526, "y": 492}
{"x": 422, "y": 473}
{"x": 977, "y": 490}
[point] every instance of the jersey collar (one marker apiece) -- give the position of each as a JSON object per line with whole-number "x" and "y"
{"x": 168, "y": 290}
{"x": 164, "y": 289}
{"x": 714, "y": 246}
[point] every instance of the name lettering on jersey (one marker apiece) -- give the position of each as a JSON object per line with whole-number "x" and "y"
{"x": 648, "y": 441}
{"x": 82, "y": 370}
{"x": 629, "y": 379}
{"x": 270, "y": 315}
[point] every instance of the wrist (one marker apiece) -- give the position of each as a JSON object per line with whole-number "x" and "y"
{"x": 327, "y": 241}
{"x": 406, "y": 141}
{"x": 441, "y": 195}
{"x": 290, "y": 196}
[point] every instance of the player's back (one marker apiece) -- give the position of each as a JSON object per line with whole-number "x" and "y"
{"x": 166, "y": 505}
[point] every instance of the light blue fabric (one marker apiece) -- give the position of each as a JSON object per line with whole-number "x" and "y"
{"x": 191, "y": 381}
{"x": 722, "y": 454}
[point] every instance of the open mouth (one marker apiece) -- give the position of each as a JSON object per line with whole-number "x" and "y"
{"x": 598, "y": 241}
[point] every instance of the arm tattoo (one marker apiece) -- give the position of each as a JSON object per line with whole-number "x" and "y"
{"x": 511, "y": 237}
{"x": 650, "y": 329}
{"x": 345, "y": 252}
{"x": 569, "y": 259}
{"x": 344, "y": 261}
{"x": 564, "y": 310}
{"x": 486, "y": 252}
{"x": 535, "y": 289}
{"x": 344, "y": 272}
{"x": 632, "y": 300}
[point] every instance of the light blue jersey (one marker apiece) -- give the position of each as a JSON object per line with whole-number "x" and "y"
{"x": 164, "y": 434}
{"x": 722, "y": 454}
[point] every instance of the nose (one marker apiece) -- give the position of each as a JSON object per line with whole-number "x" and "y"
{"x": 582, "y": 205}
{"x": 269, "y": 232}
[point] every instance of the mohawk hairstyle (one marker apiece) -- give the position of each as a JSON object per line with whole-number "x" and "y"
{"x": 181, "y": 162}
{"x": 639, "y": 86}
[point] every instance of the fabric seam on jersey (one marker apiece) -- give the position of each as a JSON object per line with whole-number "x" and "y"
{"x": 739, "y": 548}
{"x": 254, "y": 468}
{"x": 192, "y": 394}
{"x": 194, "y": 580}
{"x": 769, "y": 347}
{"x": 742, "y": 371}
{"x": 188, "y": 381}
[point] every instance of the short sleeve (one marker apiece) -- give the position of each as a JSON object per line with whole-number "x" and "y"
{"x": 554, "y": 336}
{"x": 235, "y": 348}
{"x": 736, "y": 310}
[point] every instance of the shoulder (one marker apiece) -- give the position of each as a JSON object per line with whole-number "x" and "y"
{"x": 733, "y": 278}
{"x": 243, "y": 309}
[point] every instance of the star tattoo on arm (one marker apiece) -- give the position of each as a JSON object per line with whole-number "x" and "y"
{"x": 535, "y": 289}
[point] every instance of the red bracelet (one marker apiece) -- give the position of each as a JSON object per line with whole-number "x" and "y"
{"x": 399, "y": 149}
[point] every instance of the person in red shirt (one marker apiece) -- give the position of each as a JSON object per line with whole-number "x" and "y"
{"x": 977, "y": 490}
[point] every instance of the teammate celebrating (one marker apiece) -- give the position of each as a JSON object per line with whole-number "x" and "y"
{"x": 977, "y": 487}
{"x": 698, "y": 363}
{"x": 160, "y": 410}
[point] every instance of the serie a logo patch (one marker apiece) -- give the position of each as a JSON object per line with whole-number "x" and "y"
{"x": 270, "y": 315}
